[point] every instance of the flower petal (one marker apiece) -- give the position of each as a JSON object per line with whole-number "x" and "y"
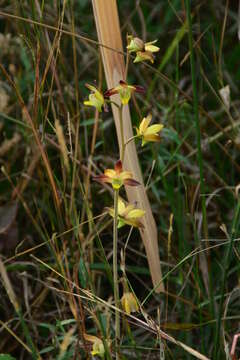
{"x": 110, "y": 173}
{"x": 134, "y": 222}
{"x": 131, "y": 182}
{"x": 123, "y": 83}
{"x": 144, "y": 56}
{"x": 153, "y": 129}
{"x": 151, "y": 42}
{"x": 129, "y": 303}
{"x": 102, "y": 178}
{"x": 98, "y": 349}
{"x": 121, "y": 223}
{"x": 96, "y": 98}
{"x": 152, "y": 137}
{"x": 125, "y": 94}
{"x": 144, "y": 124}
{"x": 128, "y": 208}
{"x": 91, "y": 338}
{"x": 135, "y": 44}
{"x": 88, "y": 103}
{"x": 139, "y": 89}
{"x": 121, "y": 206}
{"x": 91, "y": 87}
{"x": 152, "y": 48}
{"x": 110, "y": 92}
{"x": 125, "y": 175}
{"x": 135, "y": 214}
{"x": 118, "y": 166}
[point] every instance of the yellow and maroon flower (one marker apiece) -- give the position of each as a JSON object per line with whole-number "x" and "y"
{"x": 117, "y": 177}
{"x": 128, "y": 214}
{"x": 129, "y": 303}
{"x": 96, "y": 98}
{"x": 149, "y": 133}
{"x": 124, "y": 90}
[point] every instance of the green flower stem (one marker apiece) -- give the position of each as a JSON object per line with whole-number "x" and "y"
{"x": 130, "y": 139}
{"x": 120, "y": 109}
{"x": 123, "y": 143}
{"x": 126, "y": 68}
{"x": 115, "y": 273}
{"x": 126, "y": 143}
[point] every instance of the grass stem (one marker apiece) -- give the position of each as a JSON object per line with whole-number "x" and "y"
{"x": 115, "y": 273}
{"x": 199, "y": 149}
{"x": 120, "y": 109}
{"x": 196, "y": 116}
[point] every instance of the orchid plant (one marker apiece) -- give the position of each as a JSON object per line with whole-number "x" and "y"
{"x": 122, "y": 212}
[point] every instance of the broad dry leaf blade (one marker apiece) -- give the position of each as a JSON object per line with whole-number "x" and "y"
{"x": 109, "y": 34}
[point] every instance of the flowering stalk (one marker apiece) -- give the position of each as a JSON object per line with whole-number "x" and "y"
{"x": 115, "y": 273}
{"x": 115, "y": 242}
{"x": 126, "y": 66}
{"x": 120, "y": 109}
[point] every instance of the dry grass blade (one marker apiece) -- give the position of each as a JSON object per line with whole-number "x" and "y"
{"x": 114, "y": 71}
{"x": 8, "y": 286}
{"x": 36, "y": 136}
{"x": 15, "y": 336}
{"x": 7, "y": 145}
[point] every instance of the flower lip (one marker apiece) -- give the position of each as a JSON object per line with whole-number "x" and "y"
{"x": 144, "y": 56}
{"x": 95, "y": 98}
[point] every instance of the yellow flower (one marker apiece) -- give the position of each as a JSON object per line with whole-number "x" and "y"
{"x": 117, "y": 177}
{"x": 129, "y": 303}
{"x": 127, "y": 215}
{"x": 144, "y": 52}
{"x": 98, "y": 347}
{"x": 96, "y": 98}
{"x": 124, "y": 90}
{"x": 149, "y": 133}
